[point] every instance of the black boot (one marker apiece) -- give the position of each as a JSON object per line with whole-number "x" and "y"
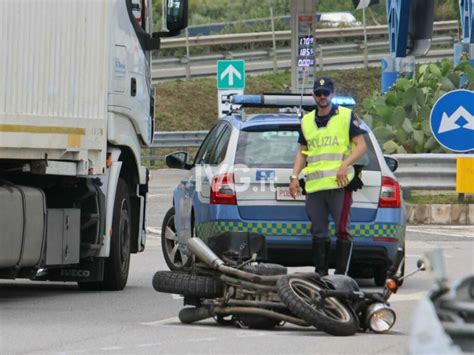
{"x": 343, "y": 256}
{"x": 321, "y": 248}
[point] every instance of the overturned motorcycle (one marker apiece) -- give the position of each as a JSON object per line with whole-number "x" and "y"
{"x": 262, "y": 296}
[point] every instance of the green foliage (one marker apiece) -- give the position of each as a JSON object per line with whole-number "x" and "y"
{"x": 400, "y": 117}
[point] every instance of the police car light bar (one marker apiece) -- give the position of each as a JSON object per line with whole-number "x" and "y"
{"x": 286, "y": 100}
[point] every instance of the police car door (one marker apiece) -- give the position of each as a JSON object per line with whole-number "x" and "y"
{"x": 188, "y": 199}
{"x": 213, "y": 167}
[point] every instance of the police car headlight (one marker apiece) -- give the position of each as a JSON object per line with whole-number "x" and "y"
{"x": 380, "y": 318}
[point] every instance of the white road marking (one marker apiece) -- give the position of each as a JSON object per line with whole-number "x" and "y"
{"x": 160, "y": 195}
{"x": 408, "y": 297}
{"x": 154, "y": 230}
{"x": 158, "y": 322}
{"x": 148, "y": 345}
{"x": 177, "y": 297}
{"x": 111, "y": 348}
{"x": 434, "y": 232}
{"x": 195, "y": 340}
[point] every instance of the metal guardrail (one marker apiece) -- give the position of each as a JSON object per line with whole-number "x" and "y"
{"x": 260, "y": 61}
{"x": 285, "y": 52}
{"x": 178, "y": 139}
{"x": 415, "y": 171}
{"x": 240, "y": 38}
{"x": 427, "y": 171}
{"x": 260, "y": 66}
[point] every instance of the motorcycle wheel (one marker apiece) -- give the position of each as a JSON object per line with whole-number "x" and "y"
{"x": 302, "y": 297}
{"x": 188, "y": 285}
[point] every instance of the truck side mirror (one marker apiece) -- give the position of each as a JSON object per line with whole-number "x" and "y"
{"x": 176, "y": 20}
{"x": 177, "y": 15}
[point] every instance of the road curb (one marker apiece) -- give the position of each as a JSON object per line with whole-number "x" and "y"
{"x": 460, "y": 214}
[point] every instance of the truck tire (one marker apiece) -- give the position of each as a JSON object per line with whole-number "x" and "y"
{"x": 188, "y": 285}
{"x": 118, "y": 263}
{"x": 301, "y": 296}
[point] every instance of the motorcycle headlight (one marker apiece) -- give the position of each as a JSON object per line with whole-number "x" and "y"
{"x": 380, "y": 318}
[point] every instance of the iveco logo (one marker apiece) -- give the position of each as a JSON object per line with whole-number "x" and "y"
{"x": 75, "y": 273}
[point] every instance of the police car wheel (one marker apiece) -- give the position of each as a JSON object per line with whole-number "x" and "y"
{"x": 380, "y": 275}
{"x": 175, "y": 258}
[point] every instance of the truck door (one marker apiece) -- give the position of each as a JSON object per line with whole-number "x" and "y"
{"x": 131, "y": 89}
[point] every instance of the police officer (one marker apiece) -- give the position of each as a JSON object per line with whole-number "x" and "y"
{"x": 331, "y": 141}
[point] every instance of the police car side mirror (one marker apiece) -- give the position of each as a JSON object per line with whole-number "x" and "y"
{"x": 177, "y": 160}
{"x": 392, "y": 163}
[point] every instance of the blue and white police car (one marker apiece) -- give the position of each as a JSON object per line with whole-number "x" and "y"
{"x": 239, "y": 182}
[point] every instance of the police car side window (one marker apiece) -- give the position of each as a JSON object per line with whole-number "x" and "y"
{"x": 369, "y": 161}
{"x": 203, "y": 153}
{"x": 217, "y": 154}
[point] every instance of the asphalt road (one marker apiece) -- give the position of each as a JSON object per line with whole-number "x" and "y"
{"x": 60, "y": 318}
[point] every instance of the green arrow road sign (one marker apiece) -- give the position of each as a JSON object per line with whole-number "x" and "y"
{"x": 230, "y": 74}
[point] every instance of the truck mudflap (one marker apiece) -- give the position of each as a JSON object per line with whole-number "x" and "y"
{"x": 86, "y": 271}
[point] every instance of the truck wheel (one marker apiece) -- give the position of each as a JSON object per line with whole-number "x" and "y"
{"x": 118, "y": 263}
{"x": 380, "y": 275}
{"x": 174, "y": 257}
{"x": 189, "y": 285}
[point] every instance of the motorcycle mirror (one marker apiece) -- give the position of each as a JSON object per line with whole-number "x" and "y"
{"x": 420, "y": 264}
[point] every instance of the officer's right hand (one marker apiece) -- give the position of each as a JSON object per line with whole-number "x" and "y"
{"x": 294, "y": 187}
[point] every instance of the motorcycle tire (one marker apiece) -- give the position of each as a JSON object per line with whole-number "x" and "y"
{"x": 188, "y": 285}
{"x": 332, "y": 316}
{"x": 253, "y": 321}
{"x": 266, "y": 269}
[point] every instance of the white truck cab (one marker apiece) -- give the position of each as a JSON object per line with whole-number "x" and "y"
{"x": 76, "y": 108}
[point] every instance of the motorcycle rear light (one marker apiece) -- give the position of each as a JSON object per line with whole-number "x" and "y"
{"x": 390, "y": 193}
{"x": 223, "y": 190}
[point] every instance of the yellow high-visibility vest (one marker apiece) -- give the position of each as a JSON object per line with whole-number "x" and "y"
{"x": 327, "y": 148}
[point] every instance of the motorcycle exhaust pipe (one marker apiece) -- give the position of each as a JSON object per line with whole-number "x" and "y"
{"x": 204, "y": 253}
{"x": 194, "y": 314}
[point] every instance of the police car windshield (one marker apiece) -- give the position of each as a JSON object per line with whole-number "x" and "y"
{"x": 275, "y": 148}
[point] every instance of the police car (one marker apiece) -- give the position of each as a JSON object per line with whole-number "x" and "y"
{"x": 239, "y": 182}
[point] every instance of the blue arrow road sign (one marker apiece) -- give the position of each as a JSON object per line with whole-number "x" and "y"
{"x": 452, "y": 120}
